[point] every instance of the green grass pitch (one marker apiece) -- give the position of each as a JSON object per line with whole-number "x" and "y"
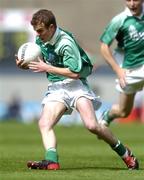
{"x": 81, "y": 154}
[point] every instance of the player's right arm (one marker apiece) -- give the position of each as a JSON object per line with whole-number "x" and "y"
{"x": 106, "y": 40}
{"x": 107, "y": 54}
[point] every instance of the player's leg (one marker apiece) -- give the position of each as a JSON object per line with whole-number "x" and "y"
{"x": 120, "y": 110}
{"x": 87, "y": 113}
{"x": 134, "y": 83}
{"x": 52, "y": 112}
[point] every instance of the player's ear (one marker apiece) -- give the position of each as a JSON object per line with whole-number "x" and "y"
{"x": 51, "y": 27}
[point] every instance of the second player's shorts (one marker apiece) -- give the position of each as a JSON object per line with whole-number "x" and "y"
{"x": 134, "y": 80}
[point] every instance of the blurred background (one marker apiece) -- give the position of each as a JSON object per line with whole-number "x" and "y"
{"x": 21, "y": 91}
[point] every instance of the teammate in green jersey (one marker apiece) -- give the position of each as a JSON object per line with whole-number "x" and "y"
{"x": 127, "y": 28}
{"x": 67, "y": 67}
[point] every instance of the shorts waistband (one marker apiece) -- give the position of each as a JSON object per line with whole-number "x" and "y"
{"x": 65, "y": 81}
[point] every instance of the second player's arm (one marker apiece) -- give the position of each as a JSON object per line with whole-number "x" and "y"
{"x": 107, "y": 54}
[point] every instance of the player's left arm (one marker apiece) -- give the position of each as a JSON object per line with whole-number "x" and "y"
{"x": 71, "y": 60}
{"x": 41, "y": 66}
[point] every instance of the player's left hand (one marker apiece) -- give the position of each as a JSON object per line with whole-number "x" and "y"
{"x": 38, "y": 66}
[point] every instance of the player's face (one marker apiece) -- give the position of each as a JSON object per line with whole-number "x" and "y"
{"x": 135, "y": 6}
{"x": 45, "y": 33}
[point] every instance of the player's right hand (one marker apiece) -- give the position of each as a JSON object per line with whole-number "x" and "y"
{"x": 20, "y": 64}
{"x": 121, "y": 77}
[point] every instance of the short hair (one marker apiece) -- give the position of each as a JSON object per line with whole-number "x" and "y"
{"x": 43, "y": 16}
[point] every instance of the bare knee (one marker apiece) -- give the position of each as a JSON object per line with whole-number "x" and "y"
{"x": 94, "y": 128}
{"x": 120, "y": 112}
{"x": 43, "y": 124}
{"x": 124, "y": 113}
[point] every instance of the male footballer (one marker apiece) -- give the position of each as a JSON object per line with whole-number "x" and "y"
{"x": 67, "y": 67}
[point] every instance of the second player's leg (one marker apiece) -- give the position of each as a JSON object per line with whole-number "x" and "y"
{"x": 124, "y": 107}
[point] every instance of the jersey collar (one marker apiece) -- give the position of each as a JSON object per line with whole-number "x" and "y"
{"x": 54, "y": 38}
{"x": 128, "y": 12}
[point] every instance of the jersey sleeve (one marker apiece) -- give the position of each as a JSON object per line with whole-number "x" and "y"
{"x": 112, "y": 29}
{"x": 71, "y": 56}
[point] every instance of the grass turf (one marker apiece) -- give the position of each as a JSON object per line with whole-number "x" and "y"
{"x": 82, "y": 155}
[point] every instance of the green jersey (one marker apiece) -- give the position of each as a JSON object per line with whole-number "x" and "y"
{"x": 64, "y": 52}
{"x": 128, "y": 30}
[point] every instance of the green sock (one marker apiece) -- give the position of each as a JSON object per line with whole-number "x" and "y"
{"x": 120, "y": 149}
{"x": 51, "y": 155}
{"x": 108, "y": 118}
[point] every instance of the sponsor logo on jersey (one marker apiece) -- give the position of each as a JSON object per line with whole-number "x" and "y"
{"x": 134, "y": 34}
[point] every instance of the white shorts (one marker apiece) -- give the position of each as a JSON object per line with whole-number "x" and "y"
{"x": 134, "y": 80}
{"x": 68, "y": 91}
